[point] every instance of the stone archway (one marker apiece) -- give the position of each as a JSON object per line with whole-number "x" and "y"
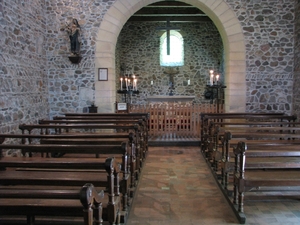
{"x": 224, "y": 19}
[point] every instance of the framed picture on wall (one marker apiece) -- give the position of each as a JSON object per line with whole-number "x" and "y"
{"x": 102, "y": 74}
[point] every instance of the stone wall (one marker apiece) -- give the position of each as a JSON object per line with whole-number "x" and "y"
{"x": 296, "y": 89}
{"x": 268, "y": 32}
{"x": 23, "y": 71}
{"x": 35, "y": 48}
{"x": 71, "y": 86}
{"x": 269, "y": 38}
{"x": 138, "y": 48}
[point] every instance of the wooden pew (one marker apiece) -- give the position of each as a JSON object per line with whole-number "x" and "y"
{"x": 104, "y": 138}
{"x": 87, "y": 128}
{"x": 257, "y": 168}
{"x": 268, "y": 143}
{"x": 137, "y": 157}
{"x": 73, "y": 149}
{"x": 141, "y": 144}
{"x": 122, "y": 115}
{"x": 225, "y": 135}
{"x": 133, "y": 167}
{"x": 206, "y": 118}
{"x": 218, "y": 138}
{"x": 21, "y": 201}
{"x": 144, "y": 116}
{"x": 33, "y": 187}
{"x": 141, "y": 118}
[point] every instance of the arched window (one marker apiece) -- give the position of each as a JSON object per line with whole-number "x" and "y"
{"x": 176, "y": 49}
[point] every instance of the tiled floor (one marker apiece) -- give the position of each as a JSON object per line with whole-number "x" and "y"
{"x": 177, "y": 187}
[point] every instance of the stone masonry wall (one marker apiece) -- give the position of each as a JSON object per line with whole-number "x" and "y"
{"x": 269, "y": 42}
{"x": 140, "y": 53}
{"x": 269, "y": 38}
{"x": 23, "y": 70}
{"x": 296, "y": 89}
{"x": 71, "y": 86}
{"x": 35, "y": 48}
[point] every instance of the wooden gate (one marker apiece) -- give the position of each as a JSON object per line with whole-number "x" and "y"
{"x": 174, "y": 120}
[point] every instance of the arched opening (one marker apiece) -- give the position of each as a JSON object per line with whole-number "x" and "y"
{"x": 176, "y": 56}
{"x": 224, "y": 19}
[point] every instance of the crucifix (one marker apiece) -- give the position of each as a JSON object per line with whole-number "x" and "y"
{"x": 168, "y": 28}
{"x": 171, "y": 72}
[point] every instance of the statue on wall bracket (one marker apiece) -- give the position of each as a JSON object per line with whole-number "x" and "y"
{"x": 73, "y": 29}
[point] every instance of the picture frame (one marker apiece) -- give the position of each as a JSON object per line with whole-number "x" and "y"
{"x": 102, "y": 74}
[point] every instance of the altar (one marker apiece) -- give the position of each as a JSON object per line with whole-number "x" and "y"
{"x": 168, "y": 98}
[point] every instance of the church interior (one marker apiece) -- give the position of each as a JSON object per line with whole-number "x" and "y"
{"x": 181, "y": 101}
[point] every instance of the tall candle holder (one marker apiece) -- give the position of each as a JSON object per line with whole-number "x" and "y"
{"x": 215, "y": 90}
{"x": 128, "y": 87}
{"x": 214, "y": 79}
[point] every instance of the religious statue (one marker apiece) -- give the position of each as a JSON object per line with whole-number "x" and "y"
{"x": 73, "y": 30}
{"x": 171, "y": 72}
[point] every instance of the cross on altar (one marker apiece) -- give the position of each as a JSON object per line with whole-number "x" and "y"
{"x": 171, "y": 72}
{"x": 168, "y": 28}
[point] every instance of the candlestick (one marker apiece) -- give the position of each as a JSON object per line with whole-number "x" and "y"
{"x": 126, "y": 82}
{"x": 211, "y": 79}
{"x": 134, "y": 84}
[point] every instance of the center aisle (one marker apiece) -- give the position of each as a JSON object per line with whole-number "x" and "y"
{"x": 176, "y": 187}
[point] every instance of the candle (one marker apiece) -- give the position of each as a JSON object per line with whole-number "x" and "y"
{"x": 211, "y": 79}
{"x": 189, "y": 82}
{"x": 217, "y": 77}
{"x": 121, "y": 84}
{"x": 126, "y": 82}
{"x": 134, "y": 84}
{"x": 151, "y": 82}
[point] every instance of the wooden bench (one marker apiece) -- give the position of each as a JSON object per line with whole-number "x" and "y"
{"x": 258, "y": 168}
{"x": 133, "y": 130}
{"x": 36, "y": 202}
{"x": 141, "y": 140}
{"x": 269, "y": 142}
{"x": 207, "y": 118}
{"x": 208, "y": 137}
{"x": 123, "y": 116}
{"x": 34, "y": 187}
{"x": 248, "y": 130}
{"x": 131, "y": 162}
{"x": 116, "y": 115}
{"x": 87, "y": 128}
{"x": 142, "y": 118}
{"x": 73, "y": 149}
{"x": 225, "y": 135}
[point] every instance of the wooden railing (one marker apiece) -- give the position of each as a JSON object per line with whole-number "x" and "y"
{"x": 174, "y": 120}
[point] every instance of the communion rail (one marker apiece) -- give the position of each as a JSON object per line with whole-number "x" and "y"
{"x": 174, "y": 120}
